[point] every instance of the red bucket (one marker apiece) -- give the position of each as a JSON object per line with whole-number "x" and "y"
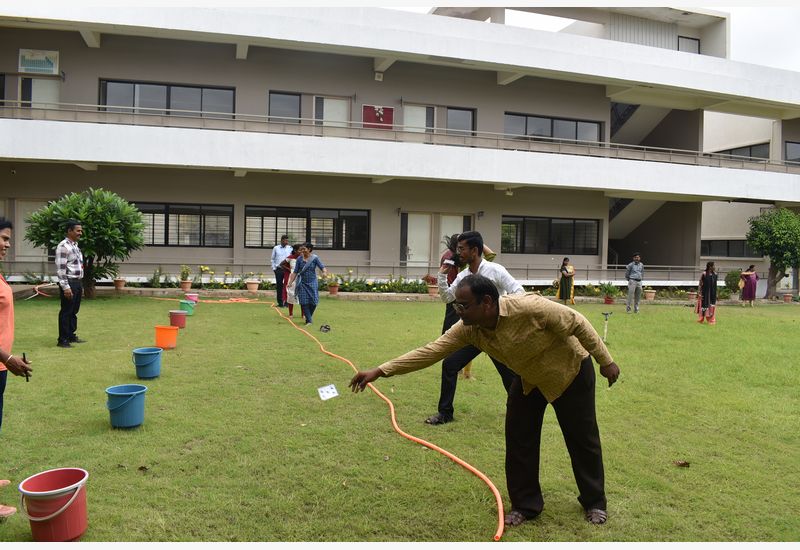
{"x": 177, "y": 318}
{"x": 55, "y": 504}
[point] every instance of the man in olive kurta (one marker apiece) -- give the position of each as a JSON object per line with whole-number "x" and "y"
{"x": 550, "y": 347}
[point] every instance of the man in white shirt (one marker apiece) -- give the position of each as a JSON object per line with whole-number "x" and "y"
{"x": 279, "y": 253}
{"x": 470, "y": 250}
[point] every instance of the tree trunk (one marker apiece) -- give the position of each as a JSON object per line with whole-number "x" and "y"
{"x": 773, "y": 278}
{"x": 88, "y": 278}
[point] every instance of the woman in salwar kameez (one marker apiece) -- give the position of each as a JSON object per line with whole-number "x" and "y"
{"x": 566, "y": 283}
{"x": 707, "y": 295}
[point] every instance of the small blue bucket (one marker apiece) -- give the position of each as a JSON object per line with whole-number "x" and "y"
{"x": 188, "y": 307}
{"x": 148, "y": 362}
{"x": 126, "y": 405}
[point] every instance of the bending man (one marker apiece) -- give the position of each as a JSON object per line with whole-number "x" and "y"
{"x": 548, "y": 345}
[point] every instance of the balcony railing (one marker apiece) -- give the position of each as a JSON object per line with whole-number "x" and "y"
{"x": 173, "y": 118}
{"x": 527, "y": 274}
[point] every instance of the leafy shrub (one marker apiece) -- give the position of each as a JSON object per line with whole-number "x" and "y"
{"x": 732, "y": 279}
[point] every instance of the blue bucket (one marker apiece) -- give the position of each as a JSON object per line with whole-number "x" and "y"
{"x": 126, "y": 405}
{"x": 188, "y": 307}
{"x": 148, "y": 362}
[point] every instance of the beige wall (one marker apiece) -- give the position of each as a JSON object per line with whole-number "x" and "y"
{"x": 723, "y": 131}
{"x": 671, "y": 236}
{"x": 678, "y": 130}
{"x": 194, "y": 63}
{"x": 49, "y": 181}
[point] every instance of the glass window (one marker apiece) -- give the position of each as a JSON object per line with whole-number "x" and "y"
{"x": 187, "y": 225}
{"x": 150, "y": 98}
{"x": 331, "y": 111}
{"x": 284, "y": 107}
{"x": 460, "y": 121}
{"x": 564, "y": 129}
{"x": 792, "y": 151}
{"x": 588, "y": 131}
{"x": 217, "y": 101}
{"x": 119, "y": 95}
{"x": 418, "y": 118}
{"x": 760, "y": 151}
{"x": 514, "y": 125}
{"x": 325, "y": 228}
{"x": 690, "y": 45}
{"x": 540, "y": 126}
{"x": 511, "y": 234}
{"x": 718, "y": 248}
{"x": 529, "y": 235}
{"x": 183, "y": 98}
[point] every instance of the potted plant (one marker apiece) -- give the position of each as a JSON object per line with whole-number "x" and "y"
{"x": 608, "y": 291}
{"x": 692, "y": 295}
{"x": 185, "y": 281}
{"x": 433, "y": 284}
{"x": 332, "y": 282}
{"x": 649, "y": 293}
{"x": 119, "y": 282}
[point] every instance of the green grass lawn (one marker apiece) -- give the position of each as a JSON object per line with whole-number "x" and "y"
{"x": 237, "y": 445}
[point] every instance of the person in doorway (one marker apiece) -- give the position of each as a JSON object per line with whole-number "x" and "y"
{"x": 748, "y": 281}
{"x": 566, "y": 282}
{"x": 634, "y": 273}
{"x": 8, "y": 361}
{"x": 470, "y": 250}
{"x": 279, "y": 253}
{"x": 305, "y": 275}
{"x": 549, "y": 346}
{"x": 707, "y": 295}
{"x": 69, "y": 270}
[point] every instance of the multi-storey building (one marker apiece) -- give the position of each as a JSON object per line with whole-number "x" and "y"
{"x": 373, "y": 133}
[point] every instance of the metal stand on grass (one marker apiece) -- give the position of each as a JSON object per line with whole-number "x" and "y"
{"x": 606, "y": 314}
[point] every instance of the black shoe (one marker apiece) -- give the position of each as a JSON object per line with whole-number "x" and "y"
{"x": 64, "y": 345}
{"x": 77, "y": 340}
{"x": 438, "y": 418}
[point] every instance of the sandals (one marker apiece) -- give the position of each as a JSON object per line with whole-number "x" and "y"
{"x": 4, "y": 482}
{"x": 438, "y": 418}
{"x": 514, "y": 518}
{"x": 595, "y": 516}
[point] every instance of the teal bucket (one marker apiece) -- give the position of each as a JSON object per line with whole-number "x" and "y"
{"x": 147, "y": 362}
{"x": 188, "y": 307}
{"x": 126, "y": 405}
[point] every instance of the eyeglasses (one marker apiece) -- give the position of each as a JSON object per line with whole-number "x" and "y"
{"x": 460, "y": 248}
{"x": 461, "y": 308}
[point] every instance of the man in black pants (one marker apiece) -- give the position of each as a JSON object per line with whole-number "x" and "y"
{"x": 279, "y": 253}
{"x": 470, "y": 251}
{"x": 69, "y": 270}
{"x": 549, "y": 346}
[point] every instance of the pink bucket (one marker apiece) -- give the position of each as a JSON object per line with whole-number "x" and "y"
{"x": 192, "y": 296}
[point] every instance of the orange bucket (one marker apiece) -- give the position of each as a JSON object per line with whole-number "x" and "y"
{"x": 166, "y": 337}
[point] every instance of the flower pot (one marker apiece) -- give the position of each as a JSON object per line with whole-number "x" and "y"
{"x": 608, "y": 300}
{"x": 119, "y": 283}
{"x": 433, "y": 290}
{"x": 252, "y": 286}
{"x": 692, "y": 296}
{"x": 787, "y": 298}
{"x": 649, "y": 294}
{"x": 186, "y": 285}
{"x": 333, "y": 290}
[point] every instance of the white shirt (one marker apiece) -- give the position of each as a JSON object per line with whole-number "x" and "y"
{"x": 279, "y": 253}
{"x": 502, "y": 279}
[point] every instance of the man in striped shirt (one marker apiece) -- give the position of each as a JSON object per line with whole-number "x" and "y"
{"x": 69, "y": 270}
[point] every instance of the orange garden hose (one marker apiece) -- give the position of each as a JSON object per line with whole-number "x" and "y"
{"x": 451, "y": 456}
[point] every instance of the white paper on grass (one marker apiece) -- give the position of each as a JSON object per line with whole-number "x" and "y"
{"x": 326, "y": 392}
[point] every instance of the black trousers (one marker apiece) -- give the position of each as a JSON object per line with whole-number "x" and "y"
{"x": 68, "y": 315}
{"x": 456, "y": 361}
{"x": 575, "y": 411}
{"x": 279, "y": 290}
{"x": 3, "y": 376}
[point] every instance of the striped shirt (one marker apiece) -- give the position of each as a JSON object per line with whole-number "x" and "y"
{"x": 69, "y": 263}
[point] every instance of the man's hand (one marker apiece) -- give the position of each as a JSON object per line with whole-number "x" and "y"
{"x": 610, "y": 371}
{"x": 18, "y": 367}
{"x": 364, "y": 377}
{"x": 68, "y": 293}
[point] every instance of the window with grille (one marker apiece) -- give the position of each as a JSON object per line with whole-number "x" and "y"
{"x": 539, "y": 235}
{"x": 187, "y": 224}
{"x": 727, "y": 248}
{"x": 543, "y": 127}
{"x": 326, "y": 229}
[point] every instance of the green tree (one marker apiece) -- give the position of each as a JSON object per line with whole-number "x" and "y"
{"x": 776, "y": 233}
{"x": 112, "y": 229}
